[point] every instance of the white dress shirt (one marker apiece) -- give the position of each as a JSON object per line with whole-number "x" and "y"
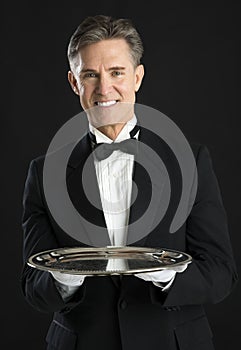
{"x": 114, "y": 176}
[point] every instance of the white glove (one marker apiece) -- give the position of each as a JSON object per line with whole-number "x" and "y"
{"x": 163, "y": 278}
{"x": 67, "y": 284}
{"x": 68, "y": 279}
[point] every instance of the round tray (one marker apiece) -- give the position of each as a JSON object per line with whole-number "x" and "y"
{"x": 108, "y": 260}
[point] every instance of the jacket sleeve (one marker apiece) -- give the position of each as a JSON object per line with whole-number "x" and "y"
{"x": 39, "y": 287}
{"x": 212, "y": 274}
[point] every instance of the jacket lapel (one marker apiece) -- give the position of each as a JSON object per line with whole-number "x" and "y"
{"x": 84, "y": 193}
{"x": 152, "y": 181}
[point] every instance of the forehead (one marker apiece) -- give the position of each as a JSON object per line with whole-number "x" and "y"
{"x": 106, "y": 52}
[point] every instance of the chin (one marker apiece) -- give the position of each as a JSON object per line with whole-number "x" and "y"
{"x": 119, "y": 113}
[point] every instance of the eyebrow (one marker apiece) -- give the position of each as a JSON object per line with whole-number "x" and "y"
{"x": 95, "y": 71}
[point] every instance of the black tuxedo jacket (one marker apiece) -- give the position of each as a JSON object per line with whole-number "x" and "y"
{"x": 125, "y": 314}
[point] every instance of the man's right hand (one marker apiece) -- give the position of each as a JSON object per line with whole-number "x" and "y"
{"x": 68, "y": 279}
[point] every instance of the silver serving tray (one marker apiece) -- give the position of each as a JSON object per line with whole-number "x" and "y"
{"x": 108, "y": 260}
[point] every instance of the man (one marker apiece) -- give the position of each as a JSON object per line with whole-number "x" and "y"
{"x": 156, "y": 309}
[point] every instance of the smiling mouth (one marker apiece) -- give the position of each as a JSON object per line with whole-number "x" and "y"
{"x": 106, "y": 103}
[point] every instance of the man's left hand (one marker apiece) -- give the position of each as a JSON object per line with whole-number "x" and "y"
{"x": 162, "y": 278}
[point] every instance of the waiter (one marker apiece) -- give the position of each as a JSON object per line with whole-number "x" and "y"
{"x": 156, "y": 309}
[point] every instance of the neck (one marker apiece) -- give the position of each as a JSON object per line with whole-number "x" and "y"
{"x": 112, "y": 131}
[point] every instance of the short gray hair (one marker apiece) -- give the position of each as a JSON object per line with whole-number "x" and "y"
{"x": 96, "y": 28}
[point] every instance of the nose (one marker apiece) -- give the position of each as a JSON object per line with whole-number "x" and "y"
{"x": 104, "y": 85}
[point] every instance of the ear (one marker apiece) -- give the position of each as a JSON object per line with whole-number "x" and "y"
{"x": 139, "y": 74}
{"x": 73, "y": 82}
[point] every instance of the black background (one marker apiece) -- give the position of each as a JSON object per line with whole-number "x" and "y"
{"x": 192, "y": 72}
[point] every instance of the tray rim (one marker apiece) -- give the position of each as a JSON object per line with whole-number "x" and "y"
{"x": 77, "y": 249}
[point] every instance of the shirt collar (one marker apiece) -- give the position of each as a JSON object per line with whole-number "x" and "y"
{"x": 123, "y": 135}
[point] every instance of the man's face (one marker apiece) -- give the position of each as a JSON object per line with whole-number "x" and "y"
{"x": 105, "y": 75}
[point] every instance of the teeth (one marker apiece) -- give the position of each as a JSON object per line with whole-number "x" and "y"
{"x": 106, "y": 104}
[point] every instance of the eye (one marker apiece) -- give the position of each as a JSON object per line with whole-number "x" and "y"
{"x": 90, "y": 75}
{"x": 116, "y": 73}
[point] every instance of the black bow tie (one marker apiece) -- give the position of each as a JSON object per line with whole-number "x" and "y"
{"x": 104, "y": 150}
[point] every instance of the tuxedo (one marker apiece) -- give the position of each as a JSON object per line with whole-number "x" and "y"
{"x": 128, "y": 313}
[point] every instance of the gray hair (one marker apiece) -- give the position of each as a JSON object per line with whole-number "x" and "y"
{"x": 96, "y": 28}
